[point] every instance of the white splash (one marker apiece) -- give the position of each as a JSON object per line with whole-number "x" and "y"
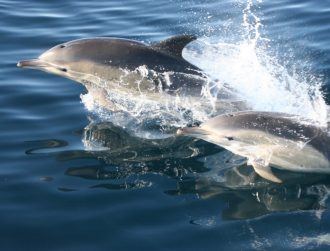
{"x": 314, "y": 241}
{"x": 256, "y": 77}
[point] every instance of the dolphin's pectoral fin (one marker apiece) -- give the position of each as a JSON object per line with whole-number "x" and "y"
{"x": 174, "y": 45}
{"x": 264, "y": 170}
{"x": 100, "y": 98}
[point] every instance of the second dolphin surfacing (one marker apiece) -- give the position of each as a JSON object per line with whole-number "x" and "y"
{"x": 268, "y": 139}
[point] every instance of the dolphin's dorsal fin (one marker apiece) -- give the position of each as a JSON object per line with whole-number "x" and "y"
{"x": 174, "y": 45}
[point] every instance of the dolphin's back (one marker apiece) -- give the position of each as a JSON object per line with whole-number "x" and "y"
{"x": 130, "y": 54}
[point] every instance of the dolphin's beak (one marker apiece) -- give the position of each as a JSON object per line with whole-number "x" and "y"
{"x": 192, "y": 131}
{"x": 32, "y": 63}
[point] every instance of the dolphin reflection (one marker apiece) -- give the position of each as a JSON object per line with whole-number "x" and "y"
{"x": 125, "y": 162}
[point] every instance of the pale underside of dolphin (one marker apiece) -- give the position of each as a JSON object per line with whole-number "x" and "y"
{"x": 114, "y": 65}
{"x": 268, "y": 139}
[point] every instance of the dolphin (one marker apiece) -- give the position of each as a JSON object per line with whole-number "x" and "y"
{"x": 121, "y": 66}
{"x": 268, "y": 139}
{"x": 154, "y": 68}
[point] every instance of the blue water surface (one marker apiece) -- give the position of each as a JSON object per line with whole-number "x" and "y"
{"x": 56, "y": 194}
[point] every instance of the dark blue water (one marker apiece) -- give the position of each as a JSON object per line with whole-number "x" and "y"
{"x": 57, "y": 192}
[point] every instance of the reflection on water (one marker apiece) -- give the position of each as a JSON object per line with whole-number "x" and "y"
{"x": 126, "y": 162}
{"x": 256, "y": 200}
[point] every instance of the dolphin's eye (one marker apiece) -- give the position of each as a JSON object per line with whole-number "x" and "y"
{"x": 64, "y": 69}
{"x": 62, "y": 46}
{"x": 230, "y": 138}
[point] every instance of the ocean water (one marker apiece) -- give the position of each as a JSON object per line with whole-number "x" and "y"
{"x": 75, "y": 177}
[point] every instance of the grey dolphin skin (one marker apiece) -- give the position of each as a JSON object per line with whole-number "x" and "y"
{"x": 268, "y": 139}
{"x": 93, "y": 60}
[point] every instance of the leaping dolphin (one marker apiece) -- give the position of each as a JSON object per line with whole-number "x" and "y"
{"x": 268, "y": 139}
{"x": 121, "y": 66}
{"x": 93, "y": 60}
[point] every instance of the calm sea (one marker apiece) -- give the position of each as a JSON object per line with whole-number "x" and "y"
{"x": 72, "y": 180}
